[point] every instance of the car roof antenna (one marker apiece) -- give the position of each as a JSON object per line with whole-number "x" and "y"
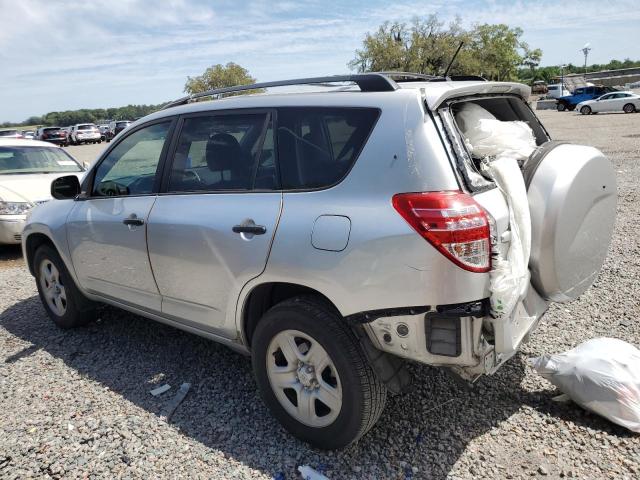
{"x": 446, "y": 72}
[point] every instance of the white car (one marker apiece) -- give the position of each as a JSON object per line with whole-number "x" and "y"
{"x": 27, "y": 168}
{"x": 627, "y": 102}
{"x": 85, "y": 133}
{"x": 556, "y": 91}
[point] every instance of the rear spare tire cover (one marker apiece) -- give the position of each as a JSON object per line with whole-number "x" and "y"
{"x": 572, "y": 198}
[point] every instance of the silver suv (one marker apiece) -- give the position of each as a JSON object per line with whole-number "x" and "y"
{"x": 330, "y": 235}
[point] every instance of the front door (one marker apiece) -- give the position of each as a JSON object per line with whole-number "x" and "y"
{"x": 211, "y": 229}
{"x": 107, "y": 229}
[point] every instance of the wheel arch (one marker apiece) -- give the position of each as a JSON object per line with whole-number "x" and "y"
{"x": 31, "y": 245}
{"x": 264, "y": 296}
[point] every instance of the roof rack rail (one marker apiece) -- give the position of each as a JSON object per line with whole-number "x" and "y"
{"x": 408, "y": 76}
{"x": 459, "y": 78}
{"x": 368, "y": 82}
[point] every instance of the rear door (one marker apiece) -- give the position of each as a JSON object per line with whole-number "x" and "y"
{"x": 211, "y": 229}
{"x": 107, "y": 229}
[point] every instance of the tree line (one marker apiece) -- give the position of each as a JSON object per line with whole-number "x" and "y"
{"x": 87, "y": 115}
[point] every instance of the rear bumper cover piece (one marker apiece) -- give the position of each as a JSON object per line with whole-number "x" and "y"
{"x": 463, "y": 337}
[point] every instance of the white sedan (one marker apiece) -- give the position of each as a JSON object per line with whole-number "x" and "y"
{"x": 627, "y": 102}
{"x": 27, "y": 168}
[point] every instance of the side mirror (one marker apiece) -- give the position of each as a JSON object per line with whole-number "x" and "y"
{"x": 65, "y": 188}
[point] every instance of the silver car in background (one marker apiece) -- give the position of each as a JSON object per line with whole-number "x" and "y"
{"x": 331, "y": 235}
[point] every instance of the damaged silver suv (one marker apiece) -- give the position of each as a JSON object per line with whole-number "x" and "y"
{"x": 332, "y": 235}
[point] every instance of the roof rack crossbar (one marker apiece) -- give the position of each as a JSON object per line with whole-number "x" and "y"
{"x": 368, "y": 82}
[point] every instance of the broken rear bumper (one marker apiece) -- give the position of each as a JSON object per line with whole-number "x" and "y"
{"x": 463, "y": 337}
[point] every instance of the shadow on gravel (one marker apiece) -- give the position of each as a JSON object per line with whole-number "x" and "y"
{"x": 434, "y": 422}
{"x": 10, "y": 253}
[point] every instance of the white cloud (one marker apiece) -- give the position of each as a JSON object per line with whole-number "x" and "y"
{"x": 133, "y": 51}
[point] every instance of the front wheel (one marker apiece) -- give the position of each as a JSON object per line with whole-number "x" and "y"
{"x": 629, "y": 108}
{"x": 313, "y": 374}
{"x": 561, "y": 107}
{"x": 62, "y": 300}
{"x": 586, "y": 110}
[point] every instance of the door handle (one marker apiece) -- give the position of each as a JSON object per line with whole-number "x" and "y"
{"x": 251, "y": 229}
{"x": 133, "y": 220}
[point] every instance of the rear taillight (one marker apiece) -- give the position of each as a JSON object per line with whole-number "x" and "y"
{"x": 452, "y": 222}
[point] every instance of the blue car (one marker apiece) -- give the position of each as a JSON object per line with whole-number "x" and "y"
{"x": 581, "y": 94}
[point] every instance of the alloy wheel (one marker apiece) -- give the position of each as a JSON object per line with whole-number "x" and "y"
{"x": 53, "y": 288}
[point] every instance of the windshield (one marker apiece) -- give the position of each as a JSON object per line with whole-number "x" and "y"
{"x": 23, "y": 160}
{"x": 6, "y": 133}
{"x": 122, "y": 124}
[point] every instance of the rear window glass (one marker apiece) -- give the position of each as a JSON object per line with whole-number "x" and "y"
{"x": 86, "y": 127}
{"x": 318, "y": 146}
{"x": 122, "y": 124}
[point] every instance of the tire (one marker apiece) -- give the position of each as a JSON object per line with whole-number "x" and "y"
{"x": 347, "y": 380}
{"x": 72, "y": 308}
{"x": 586, "y": 110}
{"x": 629, "y": 108}
{"x": 571, "y": 108}
{"x": 561, "y": 107}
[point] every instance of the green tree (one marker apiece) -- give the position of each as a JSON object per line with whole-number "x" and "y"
{"x": 219, "y": 76}
{"x": 427, "y": 46}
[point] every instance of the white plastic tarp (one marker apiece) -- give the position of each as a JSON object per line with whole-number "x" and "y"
{"x": 502, "y": 145}
{"x": 601, "y": 375}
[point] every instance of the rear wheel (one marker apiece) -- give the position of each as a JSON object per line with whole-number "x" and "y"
{"x": 629, "y": 108}
{"x": 62, "y": 300}
{"x": 586, "y": 110}
{"x": 313, "y": 374}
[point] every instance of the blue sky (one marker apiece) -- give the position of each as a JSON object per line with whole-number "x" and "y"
{"x": 62, "y": 55}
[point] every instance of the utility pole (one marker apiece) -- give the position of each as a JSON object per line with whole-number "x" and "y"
{"x": 585, "y": 50}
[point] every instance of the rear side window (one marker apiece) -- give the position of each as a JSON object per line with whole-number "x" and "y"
{"x": 318, "y": 146}
{"x": 221, "y": 152}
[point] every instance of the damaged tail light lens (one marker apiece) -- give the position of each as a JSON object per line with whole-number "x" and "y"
{"x": 453, "y": 223}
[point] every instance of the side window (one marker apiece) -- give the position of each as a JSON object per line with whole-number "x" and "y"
{"x": 317, "y": 146}
{"x": 130, "y": 168}
{"x": 222, "y": 152}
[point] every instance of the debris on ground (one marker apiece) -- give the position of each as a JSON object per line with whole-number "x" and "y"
{"x": 160, "y": 390}
{"x": 602, "y": 375}
{"x": 176, "y": 401}
{"x": 308, "y": 473}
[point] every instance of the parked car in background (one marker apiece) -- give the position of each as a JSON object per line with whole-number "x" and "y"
{"x": 27, "y": 168}
{"x": 627, "y": 102}
{"x": 104, "y": 131}
{"x": 55, "y": 135}
{"x": 116, "y": 127}
{"x": 557, "y": 91}
{"x": 85, "y": 133}
{"x": 329, "y": 235}
{"x": 539, "y": 87}
{"x": 581, "y": 94}
{"x": 28, "y": 134}
{"x": 11, "y": 134}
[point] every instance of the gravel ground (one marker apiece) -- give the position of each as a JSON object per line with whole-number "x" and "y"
{"x": 76, "y": 404}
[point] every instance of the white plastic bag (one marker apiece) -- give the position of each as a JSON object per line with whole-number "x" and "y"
{"x": 501, "y": 145}
{"x": 487, "y": 136}
{"x": 509, "y": 278}
{"x": 601, "y": 375}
